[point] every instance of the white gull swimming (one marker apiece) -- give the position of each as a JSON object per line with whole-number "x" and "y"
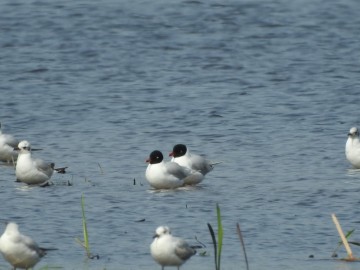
{"x": 164, "y": 175}
{"x": 352, "y": 148}
{"x": 7, "y": 145}
{"x": 198, "y": 165}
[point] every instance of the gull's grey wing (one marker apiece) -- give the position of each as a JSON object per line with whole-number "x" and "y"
{"x": 183, "y": 250}
{"x": 201, "y": 164}
{"x": 10, "y": 140}
{"x": 27, "y": 241}
{"x": 177, "y": 170}
{"x": 45, "y": 167}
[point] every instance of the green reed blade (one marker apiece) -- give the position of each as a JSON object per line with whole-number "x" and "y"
{"x": 85, "y": 232}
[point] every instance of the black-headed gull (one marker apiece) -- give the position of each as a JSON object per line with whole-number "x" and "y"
{"x": 33, "y": 171}
{"x": 7, "y": 145}
{"x": 198, "y": 164}
{"x": 18, "y": 249}
{"x": 352, "y": 147}
{"x": 168, "y": 250}
{"x": 164, "y": 175}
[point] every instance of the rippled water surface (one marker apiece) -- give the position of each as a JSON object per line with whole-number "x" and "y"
{"x": 270, "y": 88}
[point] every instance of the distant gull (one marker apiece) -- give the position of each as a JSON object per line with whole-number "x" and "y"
{"x": 33, "y": 171}
{"x": 7, "y": 145}
{"x": 198, "y": 164}
{"x": 164, "y": 175}
{"x": 352, "y": 148}
{"x": 168, "y": 250}
{"x": 18, "y": 249}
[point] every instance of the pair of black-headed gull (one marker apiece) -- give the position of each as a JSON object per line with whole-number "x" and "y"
{"x": 18, "y": 249}
{"x": 184, "y": 168}
{"x": 168, "y": 250}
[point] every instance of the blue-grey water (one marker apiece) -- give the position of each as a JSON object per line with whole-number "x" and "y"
{"x": 270, "y": 88}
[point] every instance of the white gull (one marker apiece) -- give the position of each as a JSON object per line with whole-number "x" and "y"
{"x": 33, "y": 171}
{"x": 198, "y": 165}
{"x": 164, "y": 175}
{"x": 168, "y": 250}
{"x": 352, "y": 148}
{"x": 7, "y": 145}
{"x": 18, "y": 249}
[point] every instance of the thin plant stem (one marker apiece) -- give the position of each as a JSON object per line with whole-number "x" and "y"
{"x": 242, "y": 244}
{"x": 220, "y": 235}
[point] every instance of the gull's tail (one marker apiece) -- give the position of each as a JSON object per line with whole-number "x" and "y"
{"x": 60, "y": 170}
{"x": 212, "y": 164}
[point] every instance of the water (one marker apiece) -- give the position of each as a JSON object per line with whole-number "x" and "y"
{"x": 270, "y": 88}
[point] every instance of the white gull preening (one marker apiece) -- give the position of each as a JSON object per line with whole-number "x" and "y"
{"x": 352, "y": 148}
{"x": 7, "y": 145}
{"x": 197, "y": 164}
{"x": 32, "y": 171}
{"x": 168, "y": 250}
{"x": 18, "y": 249}
{"x": 164, "y": 175}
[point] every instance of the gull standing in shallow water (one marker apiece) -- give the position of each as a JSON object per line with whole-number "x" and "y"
{"x": 352, "y": 147}
{"x": 164, "y": 175}
{"x": 30, "y": 170}
{"x": 168, "y": 250}
{"x": 197, "y": 164}
{"x": 18, "y": 249}
{"x": 7, "y": 145}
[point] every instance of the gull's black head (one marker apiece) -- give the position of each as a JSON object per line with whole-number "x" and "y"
{"x": 178, "y": 150}
{"x": 155, "y": 157}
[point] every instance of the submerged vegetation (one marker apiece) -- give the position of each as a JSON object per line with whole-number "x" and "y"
{"x": 344, "y": 241}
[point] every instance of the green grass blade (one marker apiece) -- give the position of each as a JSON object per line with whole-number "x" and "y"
{"x": 214, "y": 243}
{"x": 85, "y": 232}
{"x": 220, "y": 235}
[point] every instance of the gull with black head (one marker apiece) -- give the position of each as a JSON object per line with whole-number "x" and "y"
{"x": 164, "y": 175}
{"x": 198, "y": 165}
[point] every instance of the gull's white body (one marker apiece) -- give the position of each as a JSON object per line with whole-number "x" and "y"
{"x": 29, "y": 170}
{"x": 168, "y": 250}
{"x": 191, "y": 162}
{"x": 352, "y": 148}
{"x": 164, "y": 175}
{"x": 19, "y": 250}
{"x": 7, "y": 145}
